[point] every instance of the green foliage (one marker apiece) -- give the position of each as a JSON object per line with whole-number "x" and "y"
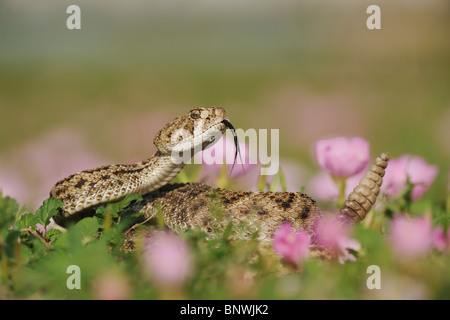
{"x": 48, "y": 209}
{"x": 277, "y": 179}
{"x": 34, "y": 261}
{"x": 8, "y": 210}
{"x": 113, "y": 209}
{"x": 27, "y": 220}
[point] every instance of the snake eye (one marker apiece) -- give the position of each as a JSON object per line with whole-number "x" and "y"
{"x": 195, "y": 114}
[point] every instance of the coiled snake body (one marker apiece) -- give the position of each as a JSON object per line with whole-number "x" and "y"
{"x": 189, "y": 205}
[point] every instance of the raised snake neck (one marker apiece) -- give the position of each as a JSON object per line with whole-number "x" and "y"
{"x": 185, "y": 134}
{"x": 189, "y": 205}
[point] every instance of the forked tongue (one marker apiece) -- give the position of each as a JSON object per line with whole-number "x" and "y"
{"x": 236, "y": 144}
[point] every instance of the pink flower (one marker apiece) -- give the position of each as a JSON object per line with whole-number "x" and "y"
{"x": 343, "y": 157}
{"x": 111, "y": 286}
{"x": 293, "y": 247}
{"x": 440, "y": 240}
{"x": 293, "y": 173}
{"x": 335, "y": 237}
{"x": 168, "y": 259}
{"x": 323, "y": 188}
{"x": 223, "y": 152}
{"x": 420, "y": 174}
{"x": 410, "y": 237}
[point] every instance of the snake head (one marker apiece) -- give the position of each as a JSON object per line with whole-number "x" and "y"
{"x": 192, "y": 132}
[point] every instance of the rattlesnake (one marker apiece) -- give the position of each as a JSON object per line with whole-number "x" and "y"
{"x": 189, "y": 205}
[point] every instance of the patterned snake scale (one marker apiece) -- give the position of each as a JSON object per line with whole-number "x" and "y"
{"x": 190, "y": 205}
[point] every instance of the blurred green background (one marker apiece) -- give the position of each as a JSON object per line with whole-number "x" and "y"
{"x": 309, "y": 68}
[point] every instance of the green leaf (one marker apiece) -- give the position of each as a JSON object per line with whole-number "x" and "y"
{"x": 159, "y": 216}
{"x": 262, "y": 182}
{"x": 228, "y": 230}
{"x": 8, "y": 240}
{"x": 11, "y": 237}
{"x": 61, "y": 242}
{"x": 113, "y": 209}
{"x": 274, "y": 184}
{"x": 53, "y": 233}
{"x": 8, "y": 210}
{"x": 129, "y": 198}
{"x": 48, "y": 209}
{"x": 282, "y": 180}
{"x": 27, "y": 220}
{"x": 84, "y": 230}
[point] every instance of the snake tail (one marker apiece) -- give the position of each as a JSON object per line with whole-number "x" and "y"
{"x": 363, "y": 197}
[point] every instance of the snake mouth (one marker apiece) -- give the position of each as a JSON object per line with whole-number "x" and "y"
{"x": 236, "y": 141}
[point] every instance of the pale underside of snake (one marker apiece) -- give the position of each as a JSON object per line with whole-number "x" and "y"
{"x": 190, "y": 205}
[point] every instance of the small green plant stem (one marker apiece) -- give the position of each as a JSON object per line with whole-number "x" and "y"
{"x": 368, "y": 221}
{"x": 341, "y": 184}
{"x": 107, "y": 222}
{"x": 37, "y": 235}
{"x": 223, "y": 181}
{"x": 448, "y": 202}
{"x": 4, "y": 265}
{"x": 262, "y": 182}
